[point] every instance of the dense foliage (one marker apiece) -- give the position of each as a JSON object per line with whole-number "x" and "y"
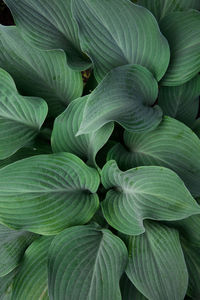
{"x": 100, "y": 180}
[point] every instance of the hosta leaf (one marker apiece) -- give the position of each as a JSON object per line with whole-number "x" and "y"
{"x": 49, "y": 25}
{"x": 156, "y": 263}
{"x": 31, "y": 280}
{"x": 125, "y": 95}
{"x": 182, "y": 30}
{"x": 86, "y": 263}
{"x": 47, "y": 193}
{"x": 39, "y": 73}
{"x": 160, "y": 8}
{"x": 192, "y": 258}
{"x": 20, "y": 117}
{"x": 171, "y": 144}
{"x": 66, "y": 126}
{"x": 133, "y": 37}
{"x": 12, "y": 244}
{"x": 128, "y": 290}
{"x": 181, "y": 102}
{"x": 144, "y": 193}
{"x": 6, "y": 284}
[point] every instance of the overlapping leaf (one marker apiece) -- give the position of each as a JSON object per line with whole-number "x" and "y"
{"x": 12, "y": 244}
{"x": 66, "y": 126}
{"x": 156, "y": 263}
{"x": 39, "y": 73}
{"x": 182, "y": 30}
{"x": 20, "y": 117}
{"x": 6, "y": 283}
{"x": 30, "y": 282}
{"x": 144, "y": 193}
{"x": 160, "y": 8}
{"x": 126, "y": 96}
{"x": 49, "y": 25}
{"x": 181, "y": 102}
{"x": 111, "y": 39}
{"x": 86, "y": 263}
{"x": 48, "y": 193}
{"x": 128, "y": 290}
{"x": 171, "y": 144}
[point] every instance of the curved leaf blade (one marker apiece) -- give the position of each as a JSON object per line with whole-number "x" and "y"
{"x": 156, "y": 263}
{"x": 82, "y": 264}
{"x": 39, "y": 73}
{"x": 6, "y": 284}
{"x": 172, "y": 145}
{"x": 131, "y": 38}
{"x": 125, "y": 95}
{"x": 20, "y": 117}
{"x": 144, "y": 193}
{"x": 64, "y": 132}
{"x": 182, "y": 30}
{"x": 31, "y": 281}
{"x": 49, "y": 25}
{"x": 12, "y": 244}
{"x": 129, "y": 291}
{"x": 50, "y": 193}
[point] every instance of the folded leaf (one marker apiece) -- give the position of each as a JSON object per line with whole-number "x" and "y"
{"x": 6, "y": 283}
{"x": 20, "y": 117}
{"x": 31, "y": 281}
{"x": 182, "y": 30}
{"x": 172, "y": 145}
{"x": 160, "y": 8}
{"x": 86, "y": 263}
{"x": 126, "y": 95}
{"x": 144, "y": 193}
{"x": 128, "y": 290}
{"x": 49, "y": 25}
{"x": 181, "y": 102}
{"x": 156, "y": 263}
{"x": 50, "y": 193}
{"x": 64, "y": 132}
{"x": 131, "y": 37}
{"x": 12, "y": 244}
{"x": 39, "y": 73}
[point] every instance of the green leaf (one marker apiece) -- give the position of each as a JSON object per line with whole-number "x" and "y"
{"x": 50, "y": 193}
{"x": 128, "y": 290}
{"x": 64, "y": 132}
{"x": 182, "y": 30}
{"x": 20, "y": 117}
{"x": 31, "y": 281}
{"x": 196, "y": 127}
{"x": 83, "y": 266}
{"x": 172, "y": 145}
{"x": 49, "y": 25}
{"x": 39, "y": 73}
{"x": 133, "y": 37}
{"x": 160, "y": 8}
{"x": 125, "y": 95}
{"x": 156, "y": 263}
{"x": 181, "y": 102}
{"x": 12, "y": 244}
{"x": 6, "y": 284}
{"x": 144, "y": 193}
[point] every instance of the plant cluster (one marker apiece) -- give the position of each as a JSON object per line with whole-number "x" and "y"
{"x": 100, "y": 181}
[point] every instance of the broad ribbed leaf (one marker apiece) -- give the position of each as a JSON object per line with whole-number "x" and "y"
{"x": 125, "y": 95}
{"x": 6, "y": 284}
{"x": 39, "y": 73}
{"x": 144, "y": 193}
{"x": 47, "y": 193}
{"x": 160, "y": 8}
{"x": 86, "y": 263}
{"x": 12, "y": 246}
{"x": 66, "y": 126}
{"x": 20, "y": 117}
{"x": 128, "y": 290}
{"x": 182, "y": 30}
{"x": 181, "y": 102}
{"x": 49, "y": 25}
{"x": 131, "y": 37}
{"x": 171, "y": 144}
{"x": 31, "y": 281}
{"x": 156, "y": 263}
